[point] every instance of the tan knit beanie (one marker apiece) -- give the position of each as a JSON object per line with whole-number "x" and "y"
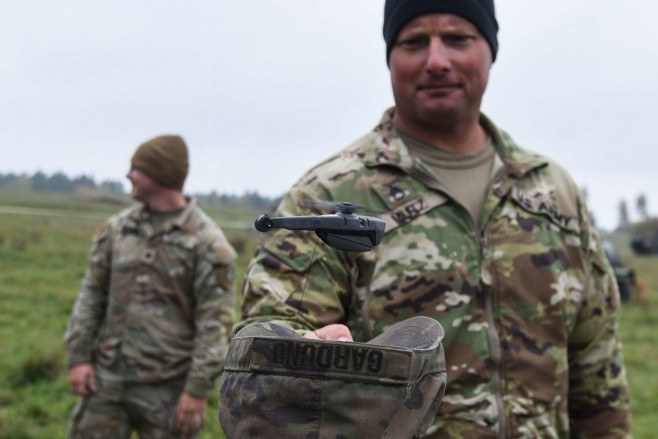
{"x": 163, "y": 158}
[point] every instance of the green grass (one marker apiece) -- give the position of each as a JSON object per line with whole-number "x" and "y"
{"x": 639, "y": 332}
{"x": 42, "y": 260}
{"x": 89, "y": 202}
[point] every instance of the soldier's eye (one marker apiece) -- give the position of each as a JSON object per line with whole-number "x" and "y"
{"x": 457, "y": 39}
{"x": 413, "y": 42}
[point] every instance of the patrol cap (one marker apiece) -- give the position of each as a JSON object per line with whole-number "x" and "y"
{"x": 278, "y": 384}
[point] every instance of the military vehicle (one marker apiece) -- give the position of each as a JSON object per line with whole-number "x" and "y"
{"x": 624, "y": 274}
{"x": 645, "y": 237}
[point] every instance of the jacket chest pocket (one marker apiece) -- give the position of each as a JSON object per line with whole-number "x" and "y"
{"x": 176, "y": 255}
{"x": 154, "y": 270}
{"x": 537, "y": 257}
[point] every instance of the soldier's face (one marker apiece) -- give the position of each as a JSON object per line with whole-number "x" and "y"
{"x": 439, "y": 70}
{"x": 143, "y": 186}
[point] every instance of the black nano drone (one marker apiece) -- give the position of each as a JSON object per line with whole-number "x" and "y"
{"x": 343, "y": 230}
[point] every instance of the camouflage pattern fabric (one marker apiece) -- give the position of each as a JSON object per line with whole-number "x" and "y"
{"x": 156, "y": 304}
{"x": 117, "y": 408}
{"x": 278, "y": 384}
{"x": 528, "y": 300}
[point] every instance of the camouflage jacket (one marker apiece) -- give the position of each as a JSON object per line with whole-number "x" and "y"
{"x": 527, "y": 299}
{"x": 156, "y": 304}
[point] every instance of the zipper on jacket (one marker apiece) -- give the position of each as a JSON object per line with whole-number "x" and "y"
{"x": 489, "y": 312}
{"x": 496, "y": 354}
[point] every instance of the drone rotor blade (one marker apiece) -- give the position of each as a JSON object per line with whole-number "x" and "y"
{"x": 336, "y": 206}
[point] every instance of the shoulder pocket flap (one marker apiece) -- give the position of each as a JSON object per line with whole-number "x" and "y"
{"x": 221, "y": 255}
{"x": 102, "y": 233}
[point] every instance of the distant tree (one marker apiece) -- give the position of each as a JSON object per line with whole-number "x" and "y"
{"x": 39, "y": 181}
{"x": 59, "y": 182}
{"x": 113, "y": 187}
{"x": 213, "y": 198}
{"x": 226, "y": 198}
{"x": 642, "y": 209}
{"x": 7, "y": 180}
{"x": 624, "y": 221}
{"x": 17, "y": 182}
{"x": 84, "y": 181}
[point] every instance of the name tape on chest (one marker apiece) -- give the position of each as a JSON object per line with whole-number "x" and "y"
{"x": 407, "y": 212}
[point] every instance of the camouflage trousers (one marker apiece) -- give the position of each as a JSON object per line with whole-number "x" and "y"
{"x": 118, "y": 408}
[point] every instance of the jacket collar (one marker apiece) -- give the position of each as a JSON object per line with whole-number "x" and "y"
{"x": 387, "y": 149}
{"x": 140, "y": 218}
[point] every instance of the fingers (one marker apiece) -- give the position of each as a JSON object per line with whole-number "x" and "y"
{"x": 190, "y": 414}
{"x": 82, "y": 379}
{"x": 331, "y": 332}
{"x": 190, "y": 424}
{"x": 91, "y": 382}
{"x": 180, "y": 418}
{"x": 79, "y": 388}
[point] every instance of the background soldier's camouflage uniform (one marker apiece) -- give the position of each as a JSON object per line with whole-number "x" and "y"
{"x": 528, "y": 301}
{"x": 156, "y": 306}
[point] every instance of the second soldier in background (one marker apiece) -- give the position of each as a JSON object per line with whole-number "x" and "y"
{"x": 149, "y": 331}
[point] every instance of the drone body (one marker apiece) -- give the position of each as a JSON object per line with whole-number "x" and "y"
{"x": 343, "y": 230}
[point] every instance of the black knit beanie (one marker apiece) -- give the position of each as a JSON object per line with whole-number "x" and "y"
{"x": 164, "y": 159}
{"x": 481, "y": 13}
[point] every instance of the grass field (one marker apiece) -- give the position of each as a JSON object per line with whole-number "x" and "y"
{"x": 43, "y": 255}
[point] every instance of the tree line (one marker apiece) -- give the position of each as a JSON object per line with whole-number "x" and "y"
{"x": 641, "y": 208}
{"x": 59, "y": 182}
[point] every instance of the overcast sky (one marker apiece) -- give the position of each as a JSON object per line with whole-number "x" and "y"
{"x": 263, "y": 90}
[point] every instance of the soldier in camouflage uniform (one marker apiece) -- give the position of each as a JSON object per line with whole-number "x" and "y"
{"x": 149, "y": 331}
{"x": 489, "y": 238}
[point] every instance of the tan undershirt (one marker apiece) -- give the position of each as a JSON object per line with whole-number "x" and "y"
{"x": 465, "y": 176}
